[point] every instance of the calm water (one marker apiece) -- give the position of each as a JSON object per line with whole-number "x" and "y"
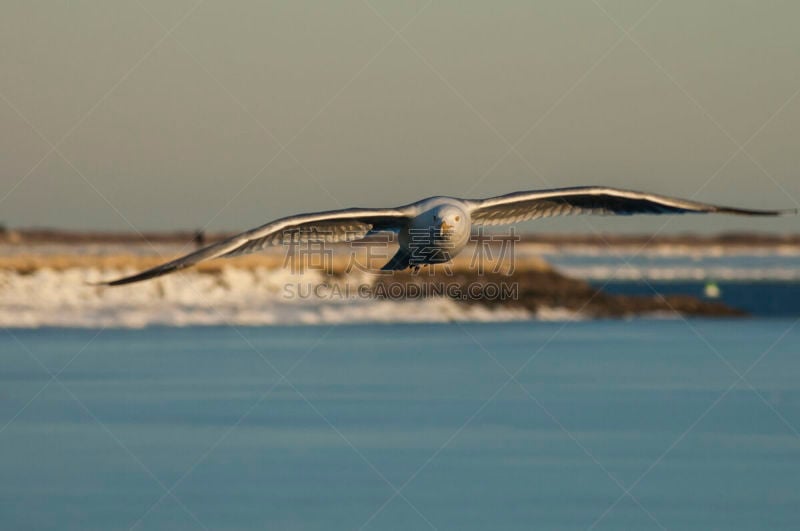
{"x": 366, "y": 409}
{"x": 762, "y": 299}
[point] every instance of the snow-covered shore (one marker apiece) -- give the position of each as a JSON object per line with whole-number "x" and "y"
{"x": 49, "y": 285}
{"x": 234, "y": 296}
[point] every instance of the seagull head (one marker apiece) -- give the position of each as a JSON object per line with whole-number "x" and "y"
{"x": 449, "y": 221}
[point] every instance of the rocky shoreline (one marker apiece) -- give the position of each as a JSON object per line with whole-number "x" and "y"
{"x": 535, "y": 290}
{"x": 531, "y": 287}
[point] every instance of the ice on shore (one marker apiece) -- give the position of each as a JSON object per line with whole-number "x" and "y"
{"x": 261, "y": 296}
{"x": 234, "y": 296}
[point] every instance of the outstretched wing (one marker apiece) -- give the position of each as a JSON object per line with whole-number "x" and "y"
{"x": 522, "y": 206}
{"x": 334, "y": 226}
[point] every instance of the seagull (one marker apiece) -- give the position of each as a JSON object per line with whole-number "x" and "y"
{"x": 436, "y": 229}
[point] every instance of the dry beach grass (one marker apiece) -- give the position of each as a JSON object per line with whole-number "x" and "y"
{"x": 338, "y": 263}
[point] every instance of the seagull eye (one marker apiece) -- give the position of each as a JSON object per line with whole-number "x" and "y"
{"x": 458, "y": 218}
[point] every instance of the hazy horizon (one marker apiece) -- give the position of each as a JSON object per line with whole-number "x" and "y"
{"x": 186, "y": 129}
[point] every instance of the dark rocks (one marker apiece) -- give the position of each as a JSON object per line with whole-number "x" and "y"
{"x": 538, "y": 289}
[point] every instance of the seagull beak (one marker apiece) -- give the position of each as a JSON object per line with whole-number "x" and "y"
{"x": 445, "y": 227}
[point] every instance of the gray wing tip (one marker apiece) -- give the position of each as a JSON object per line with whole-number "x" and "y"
{"x": 100, "y": 283}
{"x": 206, "y": 253}
{"x": 103, "y": 283}
{"x": 144, "y": 275}
{"x": 773, "y": 213}
{"x": 111, "y": 283}
{"x": 122, "y": 281}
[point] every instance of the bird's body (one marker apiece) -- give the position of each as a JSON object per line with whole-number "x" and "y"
{"x": 436, "y": 229}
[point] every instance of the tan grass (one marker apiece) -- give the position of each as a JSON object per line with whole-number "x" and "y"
{"x": 337, "y": 264}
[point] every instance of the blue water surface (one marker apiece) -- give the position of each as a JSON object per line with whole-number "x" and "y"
{"x": 605, "y": 425}
{"x": 762, "y": 299}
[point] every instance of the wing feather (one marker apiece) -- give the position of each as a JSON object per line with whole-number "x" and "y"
{"x": 333, "y": 226}
{"x": 523, "y": 206}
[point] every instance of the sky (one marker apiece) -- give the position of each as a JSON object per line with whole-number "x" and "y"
{"x": 163, "y": 115}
